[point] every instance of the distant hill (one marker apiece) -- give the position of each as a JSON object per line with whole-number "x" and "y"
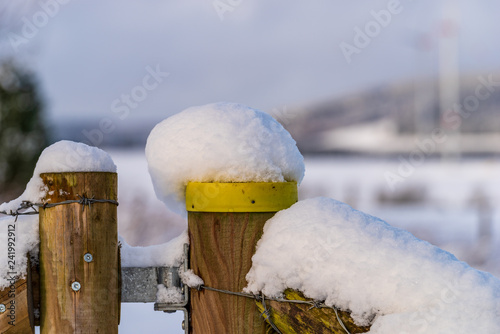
{"x": 399, "y": 113}
{"x": 383, "y": 120}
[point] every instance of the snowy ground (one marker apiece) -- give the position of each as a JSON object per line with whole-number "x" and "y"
{"x": 438, "y": 203}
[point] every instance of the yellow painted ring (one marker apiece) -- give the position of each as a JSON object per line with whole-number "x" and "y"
{"x": 240, "y": 197}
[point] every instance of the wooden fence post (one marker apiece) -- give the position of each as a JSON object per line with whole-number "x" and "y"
{"x": 18, "y": 317}
{"x": 225, "y": 221}
{"x": 79, "y": 260}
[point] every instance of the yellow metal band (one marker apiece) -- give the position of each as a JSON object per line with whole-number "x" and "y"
{"x": 240, "y": 197}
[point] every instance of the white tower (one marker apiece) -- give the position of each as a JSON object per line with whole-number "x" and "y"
{"x": 449, "y": 76}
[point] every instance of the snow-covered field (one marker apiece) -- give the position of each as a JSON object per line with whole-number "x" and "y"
{"x": 440, "y": 202}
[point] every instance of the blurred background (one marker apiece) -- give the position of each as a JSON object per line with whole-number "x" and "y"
{"x": 394, "y": 104}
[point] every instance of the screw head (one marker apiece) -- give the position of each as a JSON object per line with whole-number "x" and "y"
{"x": 76, "y": 286}
{"x": 2, "y": 308}
{"x": 88, "y": 257}
{"x": 183, "y": 324}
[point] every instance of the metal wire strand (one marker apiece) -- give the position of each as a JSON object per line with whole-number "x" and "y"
{"x": 25, "y": 206}
{"x": 85, "y": 201}
{"x": 340, "y": 321}
{"x": 266, "y": 314}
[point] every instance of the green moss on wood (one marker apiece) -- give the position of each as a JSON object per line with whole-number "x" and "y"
{"x": 292, "y": 318}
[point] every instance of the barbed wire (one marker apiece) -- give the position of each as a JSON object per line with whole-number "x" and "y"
{"x": 30, "y": 208}
{"x": 266, "y": 314}
{"x": 25, "y": 206}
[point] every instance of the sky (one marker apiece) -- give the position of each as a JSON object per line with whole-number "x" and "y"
{"x": 95, "y": 59}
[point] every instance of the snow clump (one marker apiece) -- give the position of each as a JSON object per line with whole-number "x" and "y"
{"x": 221, "y": 142}
{"x": 172, "y": 295}
{"x": 357, "y": 262}
{"x": 63, "y": 156}
{"x": 17, "y": 238}
{"x": 168, "y": 254}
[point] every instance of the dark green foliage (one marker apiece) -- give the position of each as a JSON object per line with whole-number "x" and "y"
{"x": 22, "y": 132}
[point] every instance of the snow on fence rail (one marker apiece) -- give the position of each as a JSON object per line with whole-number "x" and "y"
{"x": 315, "y": 266}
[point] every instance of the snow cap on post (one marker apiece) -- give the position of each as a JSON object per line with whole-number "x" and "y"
{"x": 60, "y": 157}
{"x": 220, "y": 142}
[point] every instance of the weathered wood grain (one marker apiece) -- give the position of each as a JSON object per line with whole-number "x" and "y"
{"x": 222, "y": 246}
{"x": 292, "y": 318}
{"x": 67, "y": 232}
{"x": 19, "y": 307}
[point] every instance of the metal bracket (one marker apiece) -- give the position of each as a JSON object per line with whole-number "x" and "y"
{"x": 170, "y": 278}
{"x": 140, "y": 285}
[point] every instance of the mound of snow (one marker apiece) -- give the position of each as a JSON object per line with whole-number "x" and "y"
{"x": 222, "y": 142}
{"x": 357, "y": 262}
{"x": 18, "y": 237}
{"x": 63, "y": 156}
{"x": 168, "y": 254}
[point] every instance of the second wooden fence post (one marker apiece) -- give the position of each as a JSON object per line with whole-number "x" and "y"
{"x": 225, "y": 222}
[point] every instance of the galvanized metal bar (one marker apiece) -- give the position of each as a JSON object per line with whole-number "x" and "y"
{"x": 139, "y": 285}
